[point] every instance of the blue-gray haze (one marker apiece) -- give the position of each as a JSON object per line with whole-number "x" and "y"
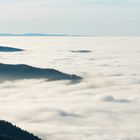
{"x": 86, "y": 17}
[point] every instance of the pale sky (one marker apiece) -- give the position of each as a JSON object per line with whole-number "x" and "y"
{"x": 85, "y": 17}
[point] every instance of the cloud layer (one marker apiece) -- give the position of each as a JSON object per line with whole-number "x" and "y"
{"x": 105, "y": 105}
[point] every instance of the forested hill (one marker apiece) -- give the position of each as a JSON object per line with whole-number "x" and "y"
{"x": 21, "y": 71}
{"x": 11, "y": 132}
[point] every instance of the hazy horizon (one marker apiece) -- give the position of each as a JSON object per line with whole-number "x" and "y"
{"x": 60, "y": 34}
{"x": 76, "y": 17}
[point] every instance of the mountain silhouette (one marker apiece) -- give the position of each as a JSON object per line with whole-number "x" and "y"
{"x": 22, "y": 71}
{"x": 11, "y": 132}
{"x": 41, "y": 34}
{"x": 9, "y": 49}
{"x": 33, "y": 34}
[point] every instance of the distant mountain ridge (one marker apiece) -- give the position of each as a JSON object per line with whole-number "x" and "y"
{"x": 34, "y": 34}
{"x": 30, "y": 34}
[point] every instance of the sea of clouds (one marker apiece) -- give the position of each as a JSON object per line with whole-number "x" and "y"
{"x": 105, "y": 105}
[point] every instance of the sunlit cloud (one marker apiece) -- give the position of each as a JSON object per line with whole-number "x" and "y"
{"x": 108, "y": 94}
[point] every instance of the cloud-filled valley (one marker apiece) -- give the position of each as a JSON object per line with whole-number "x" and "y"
{"x": 104, "y": 105}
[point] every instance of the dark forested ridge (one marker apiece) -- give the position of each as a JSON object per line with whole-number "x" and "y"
{"x": 9, "y": 49}
{"x": 11, "y": 132}
{"x": 21, "y": 71}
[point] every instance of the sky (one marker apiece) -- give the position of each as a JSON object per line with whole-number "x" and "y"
{"x": 83, "y": 17}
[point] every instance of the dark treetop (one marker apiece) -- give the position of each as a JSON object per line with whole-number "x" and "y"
{"x": 11, "y": 132}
